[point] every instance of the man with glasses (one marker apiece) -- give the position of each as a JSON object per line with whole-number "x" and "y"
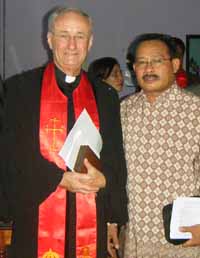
{"x": 57, "y": 212}
{"x": 161, "y": 131}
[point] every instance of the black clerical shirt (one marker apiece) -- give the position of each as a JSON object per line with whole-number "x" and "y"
{"x": 67, "y": 89}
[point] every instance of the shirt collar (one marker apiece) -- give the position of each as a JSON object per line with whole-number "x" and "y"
{"x": 66, "y": 87}
{"x": 167, "y": 95}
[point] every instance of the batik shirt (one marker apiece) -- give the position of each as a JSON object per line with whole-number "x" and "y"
{"x": 162, "y": 147}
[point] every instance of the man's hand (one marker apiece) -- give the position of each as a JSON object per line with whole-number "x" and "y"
{"x": 195, "y": 240}
{"x": 112, "y": 240}
{"x": 83, "y": 183}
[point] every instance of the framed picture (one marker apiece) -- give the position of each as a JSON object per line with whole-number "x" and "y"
{"x": 193, "y": 55}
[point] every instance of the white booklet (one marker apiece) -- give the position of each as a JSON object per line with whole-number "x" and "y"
{"x": 84, "y": 132}
{"x": 185, "y": 212}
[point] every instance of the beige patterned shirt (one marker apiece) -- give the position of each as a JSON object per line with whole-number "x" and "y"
{"x": 162, "y": 147}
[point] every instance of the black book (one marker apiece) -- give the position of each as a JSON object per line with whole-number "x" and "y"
{"x": 86, "y": 152}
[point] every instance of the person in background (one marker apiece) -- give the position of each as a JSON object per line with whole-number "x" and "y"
{"x": 57, "y": 212}
{"x": 187, "y": 80}
{"x": 181, "y": 74}
{"x": 108, "y": 70}
{"x": 161, "y": 133}
{"x": 194, "y": 88}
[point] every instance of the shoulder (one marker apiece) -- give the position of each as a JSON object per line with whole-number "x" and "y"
{"x": 103, "y": 88}
{"x": 129, "y": 106}
{"x": 130, "y": 101}
{"x": 194, "y": 88}
{"x": 103, "y": 91}
{"x": 24, "y": 78}
{"x": 188, "y": 98}
{"x": 188, "y": 105}
{"x": 23, "y": 87}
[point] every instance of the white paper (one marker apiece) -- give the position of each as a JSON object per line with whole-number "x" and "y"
{"x": 185, "y": 212}
{"x": 84, "y": 132}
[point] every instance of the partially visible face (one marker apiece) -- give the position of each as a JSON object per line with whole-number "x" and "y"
{"x": 154, "y": 68}
{"x": 115, "y": 79}
{"x": 180, "y": 53}
{"x": 70, "y": 42}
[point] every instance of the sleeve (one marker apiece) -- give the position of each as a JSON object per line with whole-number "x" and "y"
{"x": 118, "y": 196}
{"x": 197, "y": 169}
{"x": 27, "y": 177}
{"x": 1, "y": 102}
{"x": 3, "y": 201}
{"x": 112, "y": 156}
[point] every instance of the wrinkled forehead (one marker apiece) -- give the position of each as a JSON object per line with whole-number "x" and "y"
{"x": 72, "y": 20}
{"x": 152, "y": 48}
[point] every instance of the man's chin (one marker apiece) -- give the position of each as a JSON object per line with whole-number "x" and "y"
{"x": 150, "y": 86}
{"x": 71, "y": 63}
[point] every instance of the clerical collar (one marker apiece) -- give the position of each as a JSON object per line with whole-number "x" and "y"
{"x": 66, "y": 87}
{"x": 69, "y": 78}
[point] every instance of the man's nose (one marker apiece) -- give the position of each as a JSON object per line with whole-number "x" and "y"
{"x": 149, "y": 66}
{"x": 72, "y": 43}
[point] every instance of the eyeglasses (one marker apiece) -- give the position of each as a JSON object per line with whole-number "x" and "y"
{"x": 155, "y": 62}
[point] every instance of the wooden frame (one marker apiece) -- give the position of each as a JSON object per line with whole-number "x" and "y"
{"x": 193, "y": 54}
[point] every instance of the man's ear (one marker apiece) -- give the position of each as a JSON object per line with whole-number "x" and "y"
{"x": 134, "y": 67}
{"x": 176, "y": 62}
{"x": 90, "y": 42}
{"x": 49, "y": 39}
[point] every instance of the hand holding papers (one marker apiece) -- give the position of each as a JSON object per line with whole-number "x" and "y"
{"x": 195, "y": 231}
{"x": 83, "y": 132}
{"x": 185, "y": 212}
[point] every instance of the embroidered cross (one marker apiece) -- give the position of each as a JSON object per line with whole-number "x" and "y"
{"x": 54, "y": 131}
{"x": 50, "y": 254}
{"x": 85, "y": 252}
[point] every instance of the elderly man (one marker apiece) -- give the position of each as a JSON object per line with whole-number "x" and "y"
{"x": 161, "y": 129}
{"x": 58, "y": 213}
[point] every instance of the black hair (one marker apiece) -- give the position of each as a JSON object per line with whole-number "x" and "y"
{"x": 102, "y": 67}
{"x": 166, "y": 39}
{"x": 179, "y": 44}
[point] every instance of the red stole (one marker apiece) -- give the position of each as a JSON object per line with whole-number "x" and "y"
{"x": 52, "y": 212}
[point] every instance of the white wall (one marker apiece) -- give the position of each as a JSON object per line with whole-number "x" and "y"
{"x": 116, "y": 23}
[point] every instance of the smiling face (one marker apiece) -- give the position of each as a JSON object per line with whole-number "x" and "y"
{"x": 115, "y": 79}
{"x": 154, "y": 68}
{"x": 70, "y": 40}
